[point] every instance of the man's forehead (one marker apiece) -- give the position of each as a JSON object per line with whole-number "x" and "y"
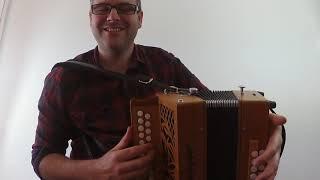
{"x": 113, "y": 1}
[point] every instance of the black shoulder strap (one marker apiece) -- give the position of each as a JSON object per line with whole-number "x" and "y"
{"x": 139, "y": 79}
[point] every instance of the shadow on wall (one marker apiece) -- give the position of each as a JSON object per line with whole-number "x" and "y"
{"x": 4, "y": 9}
{"x": 12, "y": 58}
{"x": 4, "y": 108}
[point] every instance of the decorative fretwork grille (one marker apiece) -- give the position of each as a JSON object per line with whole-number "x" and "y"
{"x": 168, "y": 141}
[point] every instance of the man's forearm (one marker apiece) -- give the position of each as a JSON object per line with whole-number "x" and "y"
{"x": 57, "y": 166}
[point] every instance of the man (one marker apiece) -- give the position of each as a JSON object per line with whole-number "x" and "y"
{"x": 93, "y": 111}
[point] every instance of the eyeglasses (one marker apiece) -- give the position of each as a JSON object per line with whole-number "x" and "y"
{"x": 122, "y": 8}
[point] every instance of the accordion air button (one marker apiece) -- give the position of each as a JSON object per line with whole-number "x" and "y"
{"x": 253, "y": 169}
{"x": 140, "y": 113}
{"x": 254, "y": 154}
{"x": 148, "y": 131}
{"x": 148, "y": 138}
{"x": 141, "y": 142}
{"x": 147, "y": 116}
{"x": 253, "y": 176}
{"x": 141, "y": 135}
{"x": 141, "y": 128}
{"x": 147, "y": 124}
{"x": 140, "y": 121}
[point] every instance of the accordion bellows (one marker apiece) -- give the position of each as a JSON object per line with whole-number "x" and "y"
{"x": 213, "y": 135}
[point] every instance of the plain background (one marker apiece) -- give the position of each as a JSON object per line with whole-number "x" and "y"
{"x": 267, "y": 45}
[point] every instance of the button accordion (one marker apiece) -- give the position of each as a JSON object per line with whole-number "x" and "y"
{"x": 210, "y": 135}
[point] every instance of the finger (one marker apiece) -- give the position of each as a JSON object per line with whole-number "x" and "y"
{"x": 277, "y": 119}
{"x": 273, "y": 147}
{"x": 125, "y": 140}
{"x": 269, "y": 172}
{"x": 138, "y": 163}
{"x": 271, "y": 169}
{"x": 265, "y": 156}
{"x": 134, "y": 152}
{"x": 272, "y": 177}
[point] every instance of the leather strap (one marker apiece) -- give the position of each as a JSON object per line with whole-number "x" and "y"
{"x": 139, "y": 79}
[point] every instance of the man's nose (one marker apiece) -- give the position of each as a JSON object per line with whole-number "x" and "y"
{"x": 113, "y": 15}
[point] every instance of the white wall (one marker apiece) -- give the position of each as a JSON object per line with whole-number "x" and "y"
{"x": 268, "y": 45}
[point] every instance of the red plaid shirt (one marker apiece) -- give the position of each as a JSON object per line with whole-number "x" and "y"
{"x": 92, "y": 110}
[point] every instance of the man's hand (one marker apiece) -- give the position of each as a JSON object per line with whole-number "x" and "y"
{"x": 269, "y": 160}
{"x": 124, "y": 162}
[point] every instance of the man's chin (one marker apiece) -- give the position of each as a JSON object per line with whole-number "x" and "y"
{"x": 116, "y": 46}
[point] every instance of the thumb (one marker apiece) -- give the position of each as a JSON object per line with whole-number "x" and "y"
{"x": 277, "y": 119}
{"x": 125, "y": 140}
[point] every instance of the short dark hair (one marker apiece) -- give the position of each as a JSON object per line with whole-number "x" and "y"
{"x": 139, "y": 5}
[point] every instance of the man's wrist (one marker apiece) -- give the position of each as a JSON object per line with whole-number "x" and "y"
{"x": 56, "y": 166}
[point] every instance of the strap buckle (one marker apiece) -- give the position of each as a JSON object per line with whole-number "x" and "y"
{"x": 181, "y": 91}
{"x": 146, "y": 82}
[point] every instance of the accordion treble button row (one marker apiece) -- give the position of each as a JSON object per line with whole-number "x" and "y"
{"x": 255, "y": 154}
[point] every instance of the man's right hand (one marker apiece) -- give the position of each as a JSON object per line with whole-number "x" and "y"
{"x": 124, "y": 162}
{"x": 121, "y": 163}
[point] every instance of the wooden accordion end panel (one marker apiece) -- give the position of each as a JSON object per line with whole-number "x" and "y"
{"x": 253, "y": 132}
{"x": 213, "y": 135}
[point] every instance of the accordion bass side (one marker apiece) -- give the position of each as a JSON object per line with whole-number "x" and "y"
{"x": 213, "y": 135}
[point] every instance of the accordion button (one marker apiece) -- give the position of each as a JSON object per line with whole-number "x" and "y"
{"x": 140, "y": 121}
{"x": 147, "y": 124}
{"x": 140, "y": 113}
{"x": 253, "y": 176}
{"x": 148, "y": 138}
{"x": 254, "y": 154}
{"x": 141, "y": 135}
{"x": 141, "y": 128}
{"x": 148, "y": 131}
{"x": 141, "y": 142}
{"x": 253, "y": 169}
{"x": 147, "y": 116}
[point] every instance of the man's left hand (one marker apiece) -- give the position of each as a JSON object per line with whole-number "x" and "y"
{"x": 270, "y": 158}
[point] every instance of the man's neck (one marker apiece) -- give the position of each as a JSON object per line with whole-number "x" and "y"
{"x": 117, "y": 61}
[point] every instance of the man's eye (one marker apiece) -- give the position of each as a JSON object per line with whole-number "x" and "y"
{"x": 99, "y": 7}
{"x": 126, "y": 8}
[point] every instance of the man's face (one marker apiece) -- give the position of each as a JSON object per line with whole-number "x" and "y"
{"x": 115, "y": 30}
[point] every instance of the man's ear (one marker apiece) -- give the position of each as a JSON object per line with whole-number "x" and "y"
{"x": 140, "y": 18}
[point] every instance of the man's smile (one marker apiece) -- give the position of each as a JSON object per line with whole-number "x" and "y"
{"x": 113, "y": 29}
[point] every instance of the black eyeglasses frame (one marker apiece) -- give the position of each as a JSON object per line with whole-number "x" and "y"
{"x": 136, "y": 8}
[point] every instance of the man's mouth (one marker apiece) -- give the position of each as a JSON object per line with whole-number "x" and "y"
{"x": 113, "y": 29}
